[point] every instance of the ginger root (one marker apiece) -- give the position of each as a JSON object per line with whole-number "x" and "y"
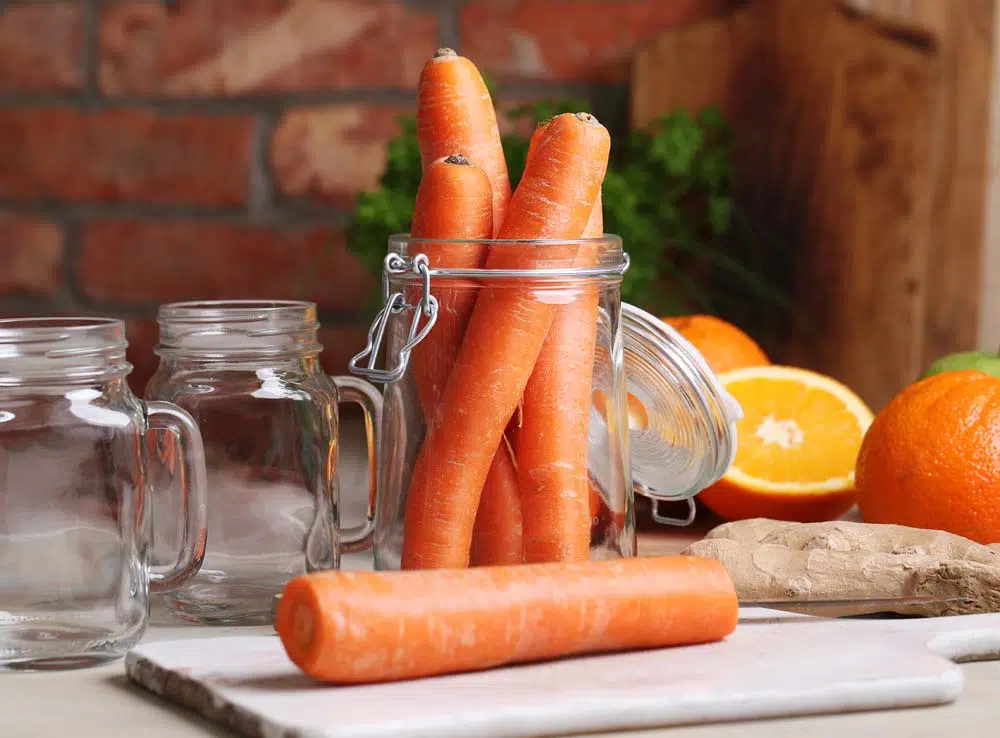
{"x": 840, "y": 560}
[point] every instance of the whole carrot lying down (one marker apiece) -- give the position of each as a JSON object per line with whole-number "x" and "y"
{"x": 353, "y": 627}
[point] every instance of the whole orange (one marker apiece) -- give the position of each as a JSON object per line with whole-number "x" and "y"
{"x": 723, "y": 345}
{"x": 931, "y": 458}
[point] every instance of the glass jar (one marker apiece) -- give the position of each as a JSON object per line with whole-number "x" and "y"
{"x": 525, "y": 405}
{"x": 75, "y": 575}
{"x": 249, "y": 373}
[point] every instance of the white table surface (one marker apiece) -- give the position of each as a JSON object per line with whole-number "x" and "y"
{"x": 101, "y": 703}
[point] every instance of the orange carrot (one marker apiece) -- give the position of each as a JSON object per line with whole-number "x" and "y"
{"x": 502, "y": 341}
{"x": 553, "y": 439}
{"x": 498, "y": 530}
{"x": 455, "y": 113}
{"x": 453, "y": 201}
{"x": 356, "y": 627}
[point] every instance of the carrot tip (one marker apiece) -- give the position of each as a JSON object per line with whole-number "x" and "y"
{"x": 460, "y": 159}
{"x": 444, "y": 53}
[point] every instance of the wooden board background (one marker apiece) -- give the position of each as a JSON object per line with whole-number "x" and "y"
{"x": 863, "y": 140}
{"x": 960, "y": 244}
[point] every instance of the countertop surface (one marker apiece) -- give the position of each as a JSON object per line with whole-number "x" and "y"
{"x": 101, "y": 703}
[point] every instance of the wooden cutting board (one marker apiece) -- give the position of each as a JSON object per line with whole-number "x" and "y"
{"x": 861, "y": 163}
{"x": 775, "y": 664}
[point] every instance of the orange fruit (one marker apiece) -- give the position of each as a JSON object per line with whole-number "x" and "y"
{"x": 932, "y": 457}
{"x": 798, "y": 444}
{"x": 724, "y": 346}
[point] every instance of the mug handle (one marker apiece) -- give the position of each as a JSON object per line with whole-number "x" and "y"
{"x": 169, "y": 418}
{"x": 362, "y": 393}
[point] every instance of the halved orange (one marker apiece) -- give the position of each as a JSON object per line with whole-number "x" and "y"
{"x": 798, "y": 444}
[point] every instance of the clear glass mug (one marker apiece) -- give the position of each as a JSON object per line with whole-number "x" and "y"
{"x": 249, "y": 373}
{"x": 568, "y": 403}
{"x": 75, "y": 576}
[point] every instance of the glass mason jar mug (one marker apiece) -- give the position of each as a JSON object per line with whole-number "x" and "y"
{"x": 525, "y": 405}
{"x": 249, "y": 373}
{"x": 74, "y": 515}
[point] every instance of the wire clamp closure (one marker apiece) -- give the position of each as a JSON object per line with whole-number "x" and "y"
{"x": 425, "y": 314}
{"x": 426, "y": 310}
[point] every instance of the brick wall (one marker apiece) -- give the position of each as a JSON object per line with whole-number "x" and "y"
{"x": 200, "y": 149}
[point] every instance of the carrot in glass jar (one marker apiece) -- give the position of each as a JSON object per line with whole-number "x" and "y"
{"x": 553, "y": 441}
{"x": 497, "y": 535}
{"x": 454, "y": 201}
{"x": 356, "y": 627}
{"x": 455, "y": 113}
{"x": 554, "y": 200}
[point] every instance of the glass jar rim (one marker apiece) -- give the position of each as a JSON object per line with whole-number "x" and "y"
{"x": 402, "y": 259}
{"x": 59, "y": 350}
{"x": 219, "y": 311}
{"x": 609, "y": 238}
{"x": 228, "y": 330}
{"x": 55, "y": 326}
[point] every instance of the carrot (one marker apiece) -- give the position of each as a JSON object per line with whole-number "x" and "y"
{"x": 454, "y": 201}
{"x": 455, "y": 113}
{"x": 355, "y": 627}
{"x": 498, "y": 530}
{"x": 502, "y": 341}
{"x": 594, "y": 229}
{"x": 553, "y": 439}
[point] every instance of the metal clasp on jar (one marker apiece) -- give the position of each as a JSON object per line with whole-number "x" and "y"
{"x": 395, "y": 265}
{"x": 423, "y": 320}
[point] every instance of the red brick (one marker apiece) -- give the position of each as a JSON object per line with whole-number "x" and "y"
{"x": 40, "y": 47}
{"x": 576, "y": 40}
{"x": 124, "y": 155}
{"x": 331, "y": 152}
{"x": 221, "y": 47}
{"x": 31, "y": 256}
{"x": 163, "y": 261}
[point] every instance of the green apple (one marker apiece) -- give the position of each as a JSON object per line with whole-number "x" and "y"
{"x": 984, "y": 361}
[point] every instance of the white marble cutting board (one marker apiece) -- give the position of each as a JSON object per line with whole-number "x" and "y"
{"x": 775, "y": 664}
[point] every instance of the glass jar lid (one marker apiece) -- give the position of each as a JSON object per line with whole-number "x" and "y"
{"x": 682, "y": 421}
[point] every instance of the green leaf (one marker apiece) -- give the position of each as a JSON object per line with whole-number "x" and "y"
{"x": 720, "y": 210}
{"x": 677, "y": 144}
{"x": 515, "y": 149}
{"x": 713, "y": 169}
{"x": 490, "y": 83}
{"x": 711, "y": 117}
